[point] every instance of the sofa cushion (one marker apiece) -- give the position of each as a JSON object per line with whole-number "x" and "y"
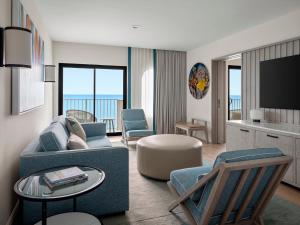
{"x": 54, "y": 138}
{"x": 139, "y": 133}
{"x": 135, "y": 125}
{"x": 75, "y": 127}
{"x": 98, "y": 142}
{"x": 75, "y": 142}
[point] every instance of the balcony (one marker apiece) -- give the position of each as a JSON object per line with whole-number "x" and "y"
{"x": 106, "y": 110}
{"x": 235, "y": 109}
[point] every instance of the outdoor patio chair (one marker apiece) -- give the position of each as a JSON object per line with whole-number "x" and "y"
{"x": 235, "y": 191}
{"x": 81, "y": 116}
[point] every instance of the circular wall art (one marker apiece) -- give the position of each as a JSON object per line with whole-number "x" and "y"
{"x": 199, "y": 81}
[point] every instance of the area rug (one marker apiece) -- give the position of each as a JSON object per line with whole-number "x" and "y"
{"x": 281, "y": 212}
{"x": 149, "y": 200}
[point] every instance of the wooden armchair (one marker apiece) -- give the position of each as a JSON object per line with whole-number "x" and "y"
{"x": 234, "y": 192}
{"x": 134, "y": 125}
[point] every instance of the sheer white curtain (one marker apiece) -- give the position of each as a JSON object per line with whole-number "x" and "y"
{"x": 142, "y": 81}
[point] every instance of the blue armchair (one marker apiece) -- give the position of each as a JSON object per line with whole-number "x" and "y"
{"x": 134, "y": 125}
{"x": 235, "y": 190}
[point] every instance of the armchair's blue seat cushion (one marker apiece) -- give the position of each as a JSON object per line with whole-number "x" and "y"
{"x": 139, "y": 133}
{"x": 135, "y": 124}
{"x": 184, "y": 179}
{"x": 98, "y": 142}
{"x": 54, "y": 137}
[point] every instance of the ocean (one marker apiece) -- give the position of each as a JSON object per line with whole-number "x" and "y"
{"x": 106, "y": 105}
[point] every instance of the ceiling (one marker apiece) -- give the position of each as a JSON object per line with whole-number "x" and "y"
{"x": 165, "y": 24}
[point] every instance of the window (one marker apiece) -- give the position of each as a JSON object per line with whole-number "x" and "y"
{"x": 234, "y": 92}
{"x": 93, "y": 93}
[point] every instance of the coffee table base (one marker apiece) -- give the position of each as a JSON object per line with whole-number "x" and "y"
{"x": 72, "y": 218}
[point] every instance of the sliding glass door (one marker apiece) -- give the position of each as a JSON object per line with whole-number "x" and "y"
{"x": 93, "y": 93}
{"x": 109, "y": 97}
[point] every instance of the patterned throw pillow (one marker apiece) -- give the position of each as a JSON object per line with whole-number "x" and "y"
{"x": 75, "y": 127}
{"x": 75, "y": 142}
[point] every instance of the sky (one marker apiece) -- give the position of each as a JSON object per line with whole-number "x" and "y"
{"x": 79, "y": 81}
{"x": 235, "y": 82}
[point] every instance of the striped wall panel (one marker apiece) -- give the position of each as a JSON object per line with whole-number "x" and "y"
{"x": 250, "y": 80}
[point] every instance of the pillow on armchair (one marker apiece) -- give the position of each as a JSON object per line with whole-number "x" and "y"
{"x": 135, "y": 125}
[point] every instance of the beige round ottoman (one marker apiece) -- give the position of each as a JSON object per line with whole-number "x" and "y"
{"x": 158, "y": 155}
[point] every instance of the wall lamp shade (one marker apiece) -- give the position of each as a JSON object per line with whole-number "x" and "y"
{"x": 18, "y": 47}
{"x": 49, "y": 73}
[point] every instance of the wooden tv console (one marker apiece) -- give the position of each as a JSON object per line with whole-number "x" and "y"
{"x": 242, "y": 134}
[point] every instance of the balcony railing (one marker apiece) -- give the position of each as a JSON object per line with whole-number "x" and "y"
{"x": 235, "y": 104}
{"x": 106, "y": 110}
{"x": 235, "y": 109}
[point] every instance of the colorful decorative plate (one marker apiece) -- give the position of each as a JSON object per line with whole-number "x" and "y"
{"x": 199, "y": 81}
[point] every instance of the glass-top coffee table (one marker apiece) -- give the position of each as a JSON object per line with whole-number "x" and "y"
{"x": 34, "y": 188}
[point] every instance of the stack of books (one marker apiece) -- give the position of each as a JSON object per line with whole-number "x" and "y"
{"x": 64, "y": 177}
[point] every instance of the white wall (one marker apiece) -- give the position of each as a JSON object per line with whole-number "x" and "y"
{"x": 280, "y": 29}
{"x": 86, "y": 54}
{"x": 17, "y": 131}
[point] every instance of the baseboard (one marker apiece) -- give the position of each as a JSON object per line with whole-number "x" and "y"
{"x": 13, "y": 214}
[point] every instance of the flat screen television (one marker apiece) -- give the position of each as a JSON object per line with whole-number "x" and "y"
{"x": 280, "y": 83}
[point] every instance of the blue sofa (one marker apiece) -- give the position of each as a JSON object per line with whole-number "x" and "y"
{"x": 111, "y": 197}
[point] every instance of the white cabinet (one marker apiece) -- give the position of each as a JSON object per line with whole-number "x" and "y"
{"x": 286, "y": 137}
{"x": 239, "y": 138}
{"x": 298, "y": 162}
{"x": 284, "y": 143}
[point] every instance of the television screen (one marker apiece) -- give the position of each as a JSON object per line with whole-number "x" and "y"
{"x": 280, "y": 83}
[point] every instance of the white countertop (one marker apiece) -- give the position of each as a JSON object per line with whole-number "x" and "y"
{"x": 281, "y": 128}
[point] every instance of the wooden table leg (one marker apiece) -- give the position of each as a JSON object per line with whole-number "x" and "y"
{"x": 74, "y": 204}
{"x": 21, "y": 210}
{"x": 113, "y": 125}
{"x": 44, "y": 213}
{"x": 206, "y": 135}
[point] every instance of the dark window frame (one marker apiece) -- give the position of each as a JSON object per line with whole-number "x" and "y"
{"x": 228, "y": 83}
{"x": 61, "y": 67}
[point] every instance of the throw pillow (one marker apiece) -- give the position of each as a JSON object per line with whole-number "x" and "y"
{"x": 75, "y": 142}
{"x": 75, "y": 127}
{"x": 135, "y": 124}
